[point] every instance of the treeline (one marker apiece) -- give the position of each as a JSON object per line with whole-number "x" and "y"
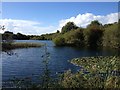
{"x": 44, "y": 36}
{"x": 95, "y": 35}
{"x": 11, "y": 36}
{"x": 7, "y": 35}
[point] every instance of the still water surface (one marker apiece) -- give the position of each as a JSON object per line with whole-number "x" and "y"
{"x": 28, "y": 62}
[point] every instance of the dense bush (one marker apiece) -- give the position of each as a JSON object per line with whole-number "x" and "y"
{"x": 93, "y": 34}
{"x": 112, "y": 36}
{"x": 75, "y": 37}
{"x": 59, "y": 41}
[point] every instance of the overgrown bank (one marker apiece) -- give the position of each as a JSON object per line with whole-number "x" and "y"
{"x": 15, "y": 45}
{"x": 96, "y": 72}
{"x": 95, "y": 35}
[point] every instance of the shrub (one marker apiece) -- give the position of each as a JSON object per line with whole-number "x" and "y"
{"x": 59, "y": 41}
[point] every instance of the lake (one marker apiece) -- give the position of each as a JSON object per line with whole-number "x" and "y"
{"x": 28, "y": 62}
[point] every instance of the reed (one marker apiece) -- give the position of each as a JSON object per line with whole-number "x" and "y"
{"x": 15, "y": 45}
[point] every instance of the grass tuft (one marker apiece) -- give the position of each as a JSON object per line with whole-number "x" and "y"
{"x": 15, "y": 45}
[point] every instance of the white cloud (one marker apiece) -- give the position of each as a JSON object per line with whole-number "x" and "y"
{"x": 26, "y": 27}
{"x": 84, "y": 19}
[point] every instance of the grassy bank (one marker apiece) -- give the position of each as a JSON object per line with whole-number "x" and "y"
{"x": 98, "y": 63}
{"x": 96, "y": 72}
{"x": 15, "y": 45}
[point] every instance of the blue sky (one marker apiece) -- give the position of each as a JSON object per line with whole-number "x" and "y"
{"x": 51, "y": 14}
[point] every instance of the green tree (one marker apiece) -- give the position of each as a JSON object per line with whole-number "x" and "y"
{"x": 7, "y": 40}
{"x": 75, "y": 37}
{"x": 7, "y": 37}
{"x": 93, "y": 34}
{"x": 112, "y": 36}
{"x": 20, "y": 36}
{"x": 68, "y": 27}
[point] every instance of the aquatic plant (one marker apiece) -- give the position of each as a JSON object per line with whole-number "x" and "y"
{"x": 96, "y": 72}
{"x": 15, "y": 45}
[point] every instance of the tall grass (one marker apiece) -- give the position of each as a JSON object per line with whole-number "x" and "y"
{"x": 15, "y": 45}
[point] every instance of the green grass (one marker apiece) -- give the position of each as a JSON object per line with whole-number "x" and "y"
{"x": 16, "y": 45}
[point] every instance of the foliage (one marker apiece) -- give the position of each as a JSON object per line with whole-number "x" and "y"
{"x": 112, "y": 36}
{"x": 59, "y": 41}
{"x": 94, "y": 24}
{"x": 96, "y": 72}
{"x": 75, "y": 37}
{"x": 20, "y": 36}
{"x": 68, "y": 27}
{"x": 93, "y": 34}
{"x": 70, "y": 80}
{"x": 7, "y": 35}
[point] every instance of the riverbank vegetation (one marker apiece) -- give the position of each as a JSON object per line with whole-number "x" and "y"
{"x": 9, "y": 44}
{"x": 96, "y": 72}
{"x": 95, "y": 35}
{"x": 15, "y": 45}
{"x": 20, "y": 36}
